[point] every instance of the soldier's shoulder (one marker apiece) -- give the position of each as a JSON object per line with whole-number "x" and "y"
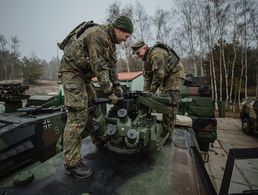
{"x": 97, "y": 30}
{"x": 157, "y": 53}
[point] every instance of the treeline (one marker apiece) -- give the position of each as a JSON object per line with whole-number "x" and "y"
{"x": 217, "y": 39}
{"x": 28, "y": 69}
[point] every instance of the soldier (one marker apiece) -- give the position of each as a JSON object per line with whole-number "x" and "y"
{"x": 163, "y": 71}
{"x": 89, "y": 50}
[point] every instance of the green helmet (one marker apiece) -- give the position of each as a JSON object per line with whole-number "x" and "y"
{"x": 124, "y": 24}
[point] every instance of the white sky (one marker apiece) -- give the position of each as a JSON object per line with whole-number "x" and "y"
{"x": 39, "y": 24}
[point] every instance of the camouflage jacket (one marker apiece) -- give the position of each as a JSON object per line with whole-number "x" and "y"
{"x": 158, "y": 71}
{"x": 93, "y": 53}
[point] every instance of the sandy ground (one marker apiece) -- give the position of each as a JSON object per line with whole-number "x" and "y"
{"x": 245, "y": 172}
{"x": 43, "y": 88}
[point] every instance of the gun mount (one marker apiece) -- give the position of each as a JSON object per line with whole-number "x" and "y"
{"x": 130, "y": 126}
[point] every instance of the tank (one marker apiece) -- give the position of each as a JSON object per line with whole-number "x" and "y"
{"x": 28, "y": 134}
{"x": 134, "y": 158}
{"x": 249, "y": 115}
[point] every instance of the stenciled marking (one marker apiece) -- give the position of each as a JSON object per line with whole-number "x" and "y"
{"x": 47, "y": 123}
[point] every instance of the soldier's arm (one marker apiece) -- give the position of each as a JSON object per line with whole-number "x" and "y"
{"x": 100, "y": 64}
{"x": 114, "y": 76}
{"x": 147, "y": 80}
{"x": 158, "y": 66}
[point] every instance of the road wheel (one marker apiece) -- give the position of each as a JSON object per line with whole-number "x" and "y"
{"x": 246, "y": 126}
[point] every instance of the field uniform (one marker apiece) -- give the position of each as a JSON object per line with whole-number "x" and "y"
{"x": 164, "y": 71}
{"x": 89, "y": 51}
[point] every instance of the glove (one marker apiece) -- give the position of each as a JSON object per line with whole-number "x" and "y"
{"x": 118, "y": 91}
{"x": 113, "y": 98}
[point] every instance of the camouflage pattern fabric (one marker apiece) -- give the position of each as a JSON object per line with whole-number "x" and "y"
{"x": 93, "y": 53}
{"x": 169, "y": 121}
{"x": 78, "y": 95}
{"x": 159, "y": 75}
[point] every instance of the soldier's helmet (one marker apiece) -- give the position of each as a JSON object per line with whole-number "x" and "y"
{"x": 137, "y": 45}
{"x": 124, "y": 24}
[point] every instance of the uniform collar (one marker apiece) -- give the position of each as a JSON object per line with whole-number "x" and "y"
{"x": 111, "y": 33}
{"x": 146, "y": 54}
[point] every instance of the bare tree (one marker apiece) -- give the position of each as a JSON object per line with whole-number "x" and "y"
{"x": 240, "y": 79}
{"x": 141, "y": 23}
{"x": 3, "y": 64}
{"x": 187, "y": 14}
{"x": 161, "y": 25}
{"x": 210, "y": 41}
{"x": 114, "y": 11}
{"x": 254, "y": 27}
{"x": 199, "y": 9}
{"x": 244, "y": 26}
{"x": 15, "y": 54}
{"x": 222, "y": 16}
{"x": 234, "y": 22}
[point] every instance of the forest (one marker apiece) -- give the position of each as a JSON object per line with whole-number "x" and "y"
{"x": 217, "y": 39}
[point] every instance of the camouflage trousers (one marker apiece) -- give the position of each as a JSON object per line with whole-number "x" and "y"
{"x": 77, "y": 96}
{"x": 169, "y": 120}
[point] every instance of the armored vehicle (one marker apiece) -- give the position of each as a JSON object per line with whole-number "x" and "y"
{"x": 195, "y": 98}
{"x": 28, "y": 134}
{"x": 197, "y": 104}
{"x": 249, "y": 115}
{"x": 135, "y": 159}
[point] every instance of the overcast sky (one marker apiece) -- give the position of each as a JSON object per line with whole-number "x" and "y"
{"x": 39, "y": 24}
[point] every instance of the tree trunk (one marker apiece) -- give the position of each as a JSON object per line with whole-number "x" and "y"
{"x": 232, "y": 77}
{"x": 226, "y": 77}
{"x": 235, "y": 97}
{"x": 246, "y": 75}
{"x": 5, "y": 72}
{"x": 220, "y": 72}
{"x": 215, "y": 84}
{"x": 240, "y": 81}
{"x": 212, "y": 80}
{"x": 256, "y": 75}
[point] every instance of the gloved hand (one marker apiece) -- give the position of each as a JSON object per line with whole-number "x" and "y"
{"x": 118, "y": 91}
{"x": 113, "y": 98}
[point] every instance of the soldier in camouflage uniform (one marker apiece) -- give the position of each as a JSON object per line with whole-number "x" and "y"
{"x": 164, "y": 71}
{"x": 89, "y": 51}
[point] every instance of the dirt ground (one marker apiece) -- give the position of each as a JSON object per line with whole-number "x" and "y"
{"x": 230, "y": 114}
{"x": 231, "y": 136}
{"x": 43, "y": 88}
